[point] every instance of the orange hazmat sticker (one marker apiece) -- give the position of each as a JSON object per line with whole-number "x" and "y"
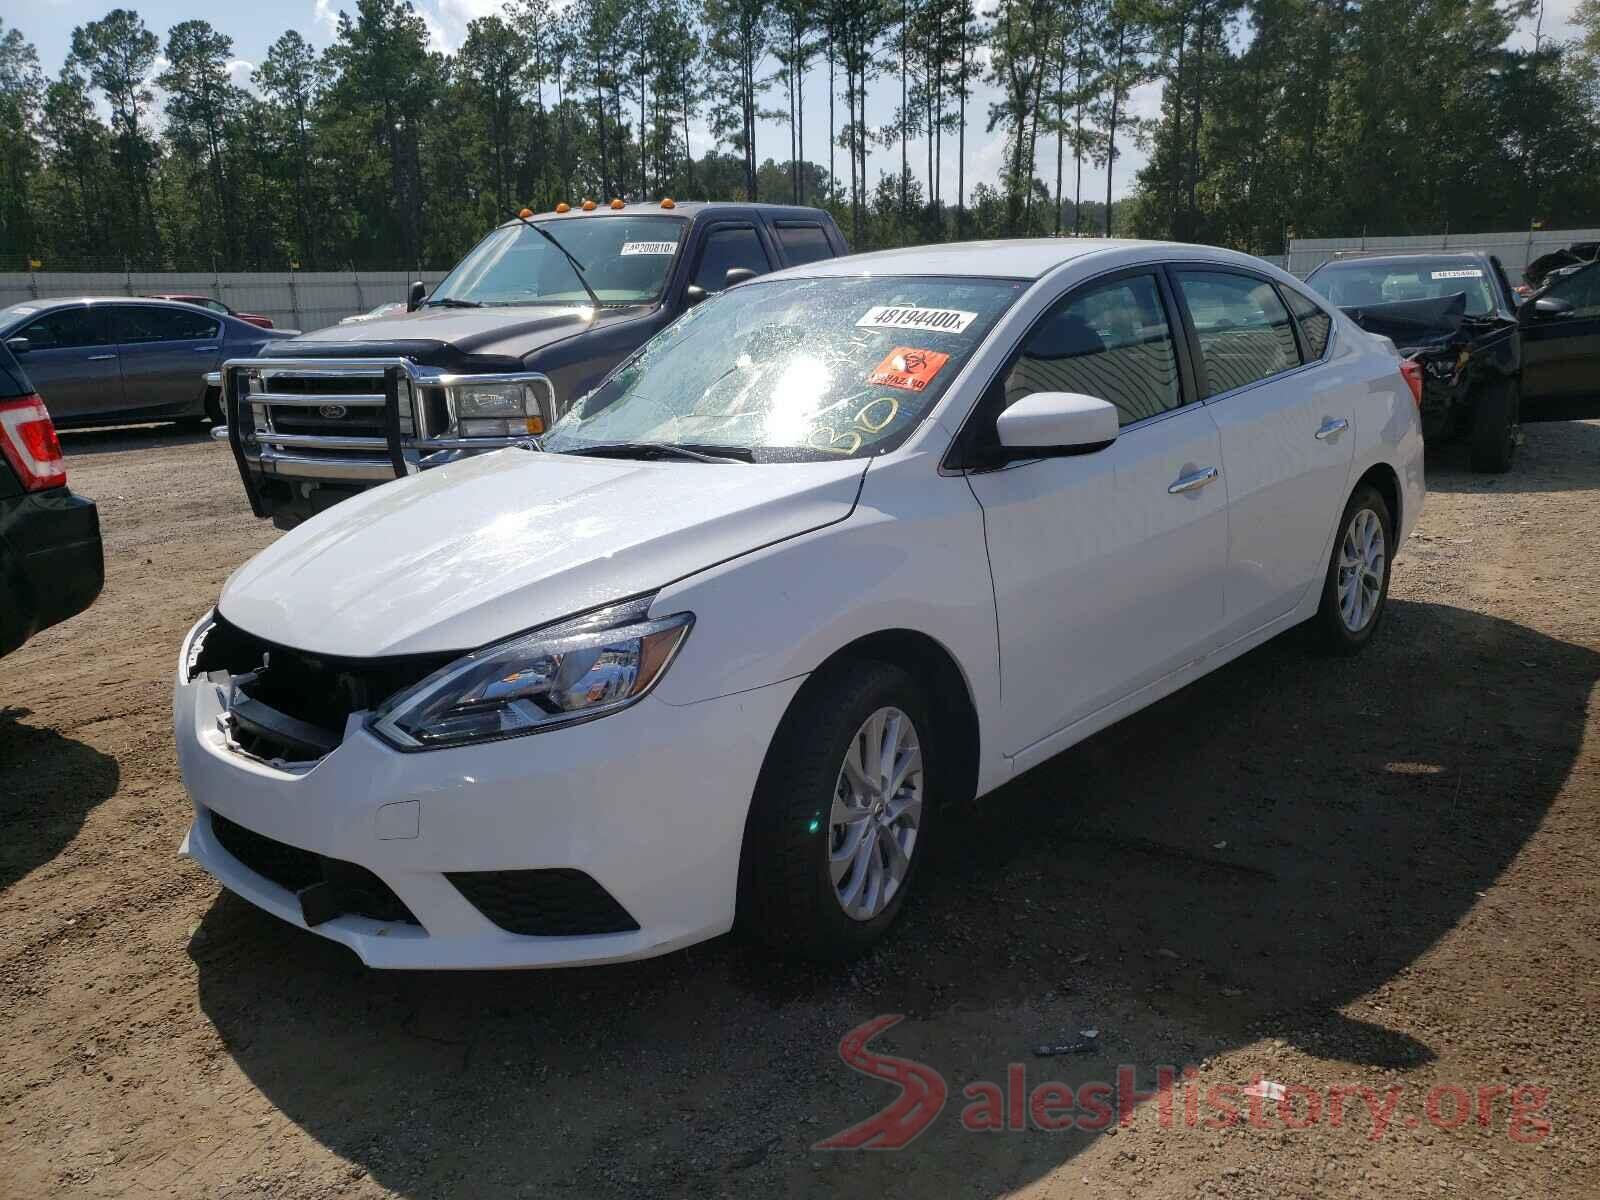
{"x": 908, "y": 368}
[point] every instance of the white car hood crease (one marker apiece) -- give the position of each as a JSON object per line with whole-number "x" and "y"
{"x": 479, "y": 550}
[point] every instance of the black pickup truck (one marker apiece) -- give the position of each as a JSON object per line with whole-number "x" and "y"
{"x": 534, "y": 316}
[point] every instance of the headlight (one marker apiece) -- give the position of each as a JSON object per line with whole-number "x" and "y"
{"x": 574, "y": 671}
{"x": 194, "y": 644}
{"x": 496, "y": 409}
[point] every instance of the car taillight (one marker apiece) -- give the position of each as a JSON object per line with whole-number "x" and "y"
{"x": 1412, "y": 370}
{"x": 28, "y": 440}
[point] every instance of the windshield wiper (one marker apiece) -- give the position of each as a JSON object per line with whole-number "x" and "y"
{"x": 709, "y": 454}
{"x": 452, "y": 302}
{"x": 577, "y": 267}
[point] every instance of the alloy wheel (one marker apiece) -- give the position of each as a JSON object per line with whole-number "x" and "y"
{"x": 876, "y": 815}
{"x": 1362, "y": 562}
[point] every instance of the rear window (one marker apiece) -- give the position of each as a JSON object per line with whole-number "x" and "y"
{"x": 1359, "y": 284}
{"x": 1314, "y": 323}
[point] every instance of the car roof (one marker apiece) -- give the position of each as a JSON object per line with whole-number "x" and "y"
{"x": 688, "y": 209}
{"x": 34, "y": 307}
{"x": 1400, "y": 260}
{"x": 1008, "y": 258}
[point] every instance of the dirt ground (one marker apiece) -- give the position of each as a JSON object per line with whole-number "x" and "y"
{"x": 1375, "y": 873}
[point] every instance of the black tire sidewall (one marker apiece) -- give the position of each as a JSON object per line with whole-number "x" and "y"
{"x": 1494, "y": 426}
{"x": 796, "y": 789}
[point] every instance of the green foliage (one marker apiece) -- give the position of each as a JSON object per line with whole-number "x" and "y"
{"x": 1316, "y": 116}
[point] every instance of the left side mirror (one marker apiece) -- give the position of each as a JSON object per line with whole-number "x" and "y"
{"x": 737, "y": 275}
{"x": 419, "y": 292}
{"x": 693, "y": 294}
{"x": 1050, "y": 424}
{"x": 18, "y": 345}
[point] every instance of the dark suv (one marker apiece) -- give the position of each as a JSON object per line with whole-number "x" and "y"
{"x": 51, "y": 563}
{"x": 534, "y": 316}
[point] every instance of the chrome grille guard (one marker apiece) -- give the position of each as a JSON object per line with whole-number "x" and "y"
{"x": 260, "y": 449}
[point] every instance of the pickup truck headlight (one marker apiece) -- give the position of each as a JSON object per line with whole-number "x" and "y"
{"x": 559, "y": 675}
{"x": 496, "y": 409}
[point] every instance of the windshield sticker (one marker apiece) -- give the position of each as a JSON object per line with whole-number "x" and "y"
{"x": 937, "y": 320}
{"x": 1464, "y": 273}
{"x": 909, "y": 368}
{"x": 648, "y": 248}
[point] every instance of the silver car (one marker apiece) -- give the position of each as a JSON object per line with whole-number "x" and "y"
{"x": 117, "y": 360}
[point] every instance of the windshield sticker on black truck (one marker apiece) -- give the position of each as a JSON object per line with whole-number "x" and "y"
{"x": 648, "y": 248}
{"x": 1463, "y": 273}
{"x": 935, "y": 320}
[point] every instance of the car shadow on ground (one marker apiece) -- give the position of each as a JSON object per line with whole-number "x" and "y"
{"x": 76, "y": 442}
{"x": 41, "y": 810}
{"x": 1564, "y": 464}
{"x": 1237, "y": 862}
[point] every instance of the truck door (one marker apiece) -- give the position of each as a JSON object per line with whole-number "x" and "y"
{"x": 727, "y": 246}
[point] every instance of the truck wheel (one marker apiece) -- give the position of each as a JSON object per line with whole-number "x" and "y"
{"x": 838, "y": 821}
{"x": 1356, "y": 590}
{"x": 214, "y": 406}
{"x": 1494, "y": 425}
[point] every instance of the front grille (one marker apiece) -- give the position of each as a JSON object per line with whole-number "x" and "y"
{"x": 350, "y": 888}
{"x": 317, "y": 690}
{"x": 552, "y": 902}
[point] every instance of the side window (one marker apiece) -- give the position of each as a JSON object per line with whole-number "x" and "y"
{"x": 64, "y": 329}
{"x": 804, "y": 243}
{"x": 1107, "y": 340}
{"x": 1315, "y": 324}
{"x": 726, "y": 249}
{"x": 1243, "y": 328}
{"x": 133, "y": 324}
{"x": 1581, "y": 289}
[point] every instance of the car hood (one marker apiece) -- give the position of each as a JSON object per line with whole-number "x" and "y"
{"x": 444, "y": 336}
{"x": 476, "y": 551}
{"x": 1434, "y": 324}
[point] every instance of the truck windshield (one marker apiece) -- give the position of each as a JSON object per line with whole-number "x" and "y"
{"x": 625, "y": 259}
{"x": 1357, "y": 284}
{"x": 793, "y": 369}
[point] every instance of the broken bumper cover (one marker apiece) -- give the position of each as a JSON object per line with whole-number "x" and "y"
{"x": 649, "y": 804}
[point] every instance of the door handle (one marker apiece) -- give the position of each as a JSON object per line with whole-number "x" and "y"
{"x": 205, "y": 349}
{"x": 1332, "y": 426}
{"x": 101, "y": 357}
{"x": 1193, "y": 481}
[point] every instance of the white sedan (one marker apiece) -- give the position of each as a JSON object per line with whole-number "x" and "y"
{"x": 843, "y": 547}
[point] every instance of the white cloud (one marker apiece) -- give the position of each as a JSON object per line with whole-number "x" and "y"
{"x": 326, "y": 16}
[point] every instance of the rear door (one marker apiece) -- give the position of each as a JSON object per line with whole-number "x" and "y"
{"x": 1287, "y": 440}
{"x": 1561, "y": 351}
{"x": 73, "y": 362}
{"x": 802, "y": 242}
{"x": 165, "y": 353}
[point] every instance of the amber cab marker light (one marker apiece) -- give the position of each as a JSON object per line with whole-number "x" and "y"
{"x": 563, "y": 207}
{"x": 588, "y": 206}
{"x": 525, "y": 213}
{"x": 615, "y": 203}
{"x": 667, "y": 203}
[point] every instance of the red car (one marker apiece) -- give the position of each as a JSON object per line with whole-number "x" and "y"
{"x": 214, "y": 306}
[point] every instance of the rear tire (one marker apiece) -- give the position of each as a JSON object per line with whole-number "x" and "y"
{"x": 214, "y": 406}
{"x": 1355, "y": 592}
{"x": 809, "y": 822}
{"x": 1495, "y": 418}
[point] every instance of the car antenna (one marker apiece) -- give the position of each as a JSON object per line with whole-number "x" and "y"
{"x": 577, "y": 266}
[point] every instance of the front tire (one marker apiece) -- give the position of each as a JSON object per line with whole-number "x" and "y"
{"x": 838, "y": 822}
{"x": 1355, "y": 592}
{"x": 1495, "y": 419}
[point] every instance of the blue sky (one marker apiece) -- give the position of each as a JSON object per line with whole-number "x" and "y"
{"x": 48, "y": 25}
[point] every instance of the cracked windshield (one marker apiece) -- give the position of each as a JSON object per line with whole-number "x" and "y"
{"x": 624, "y": 259}
{"x": 794, "y": 369}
